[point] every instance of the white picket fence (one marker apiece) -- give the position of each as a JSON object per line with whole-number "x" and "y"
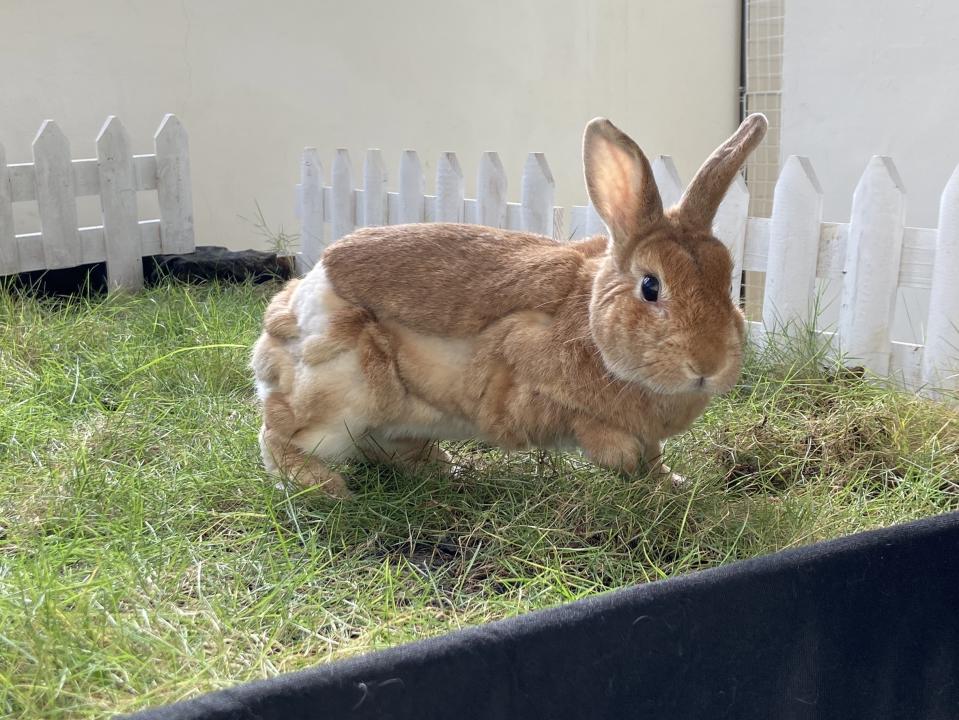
{"x": 53, "y": 180}
{"x": 872, "y": 256}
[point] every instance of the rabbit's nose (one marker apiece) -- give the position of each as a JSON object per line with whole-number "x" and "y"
{"x": 700, "y": 369}
{"x": 696, "y": 374}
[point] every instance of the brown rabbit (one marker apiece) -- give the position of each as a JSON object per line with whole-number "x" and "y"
{"x": 405, "y": 335}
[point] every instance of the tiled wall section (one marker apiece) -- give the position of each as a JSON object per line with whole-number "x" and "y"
{"x": 763, "y": 91}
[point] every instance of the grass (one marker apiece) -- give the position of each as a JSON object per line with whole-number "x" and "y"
{"x": 145, "y": 557}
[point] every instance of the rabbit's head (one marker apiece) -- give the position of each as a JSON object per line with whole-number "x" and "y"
{"x": 661, "y": 313}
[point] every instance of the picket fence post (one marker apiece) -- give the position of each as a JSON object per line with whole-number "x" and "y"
{"x": 174, "y": 186}
{"x": 491, "y": 191}
{"x": 118, "y": 202}
{"x": 56, "y": 197}
{"x": 730, "y": 227}
{"x": 412, "y": 188}
{"x": 374, "y": 189}
{"x": 9, "y": 250}
{"x": 450, "y": 189}
{"x": 940, "y": 365}
{"x": 871, "y": 270}
{"x": 342, "y": 197}
{"x": 311, "y": 208}
{"x": 536, "y": 196}
{"x": 793, "y": 246}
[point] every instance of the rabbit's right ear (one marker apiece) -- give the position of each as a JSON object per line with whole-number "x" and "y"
{"x": 619, "y": 180}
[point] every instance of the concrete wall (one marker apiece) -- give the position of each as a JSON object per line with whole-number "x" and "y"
{"x": 254, "y": 83}
{"x": 863, "y": 78}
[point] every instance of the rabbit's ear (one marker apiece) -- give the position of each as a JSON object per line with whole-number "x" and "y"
{"x": 619, "y": 180}
{"x": 699, "y": 203}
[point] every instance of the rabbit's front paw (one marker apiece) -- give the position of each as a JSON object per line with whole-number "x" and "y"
{"x": 677, "y": 480}
{"x": 611, "y": 448}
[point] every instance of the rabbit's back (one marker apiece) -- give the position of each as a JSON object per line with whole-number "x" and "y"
{"x": 453, "y": 280}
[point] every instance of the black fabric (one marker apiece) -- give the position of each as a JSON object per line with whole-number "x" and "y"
{"x": 861, "y": 627}
{"x": 210, "y": 262}
{"x": 205, "y": 263}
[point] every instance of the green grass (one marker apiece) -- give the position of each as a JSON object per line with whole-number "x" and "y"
{"x": 145, "y": 557}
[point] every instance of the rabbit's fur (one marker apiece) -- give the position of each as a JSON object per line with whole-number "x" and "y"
{"x": 405, "y": 335}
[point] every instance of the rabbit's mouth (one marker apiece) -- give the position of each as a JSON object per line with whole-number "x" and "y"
{"x": 666, "y": 379}
{"x": 713, "y": 385}
{"x": 716, "y": 383}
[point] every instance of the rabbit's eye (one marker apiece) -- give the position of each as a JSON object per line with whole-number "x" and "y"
{"x": 649, "y": 287}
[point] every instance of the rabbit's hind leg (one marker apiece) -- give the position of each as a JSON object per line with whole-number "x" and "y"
{"x": 412, "y": 455}
{"x": 283, "y": 458}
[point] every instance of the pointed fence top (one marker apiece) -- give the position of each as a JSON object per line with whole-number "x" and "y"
{"x": 170, "y": 127}
{"x": 410, "y": 156}
{"x": 411, "y": 170}
{"x": 536, "y": 165}
{"x": 490, "y": 161}
{"x": 798, "y": 173}
{"x": 49, "y": 133}
{"x": 449, "y": 162}
{"x": 951, "y": 189}
{"x": 881, "y": 169}
{"x": 112, "y": 128}
{"x": 342, "y": 165}
{"x": 374, "y": 161}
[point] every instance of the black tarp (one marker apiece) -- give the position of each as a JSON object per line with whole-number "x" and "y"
{"x": 865, "y": 626}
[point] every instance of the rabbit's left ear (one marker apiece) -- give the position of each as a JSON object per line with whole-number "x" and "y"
{"x": 699, "y": 203}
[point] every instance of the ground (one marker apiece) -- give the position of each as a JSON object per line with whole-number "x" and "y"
{"x": 146, "y": 557}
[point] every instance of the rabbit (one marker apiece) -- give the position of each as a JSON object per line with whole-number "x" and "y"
{"x": 405, "y": 335}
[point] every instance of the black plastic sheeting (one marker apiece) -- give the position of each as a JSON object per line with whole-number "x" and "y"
{"x": 866, "y": 626}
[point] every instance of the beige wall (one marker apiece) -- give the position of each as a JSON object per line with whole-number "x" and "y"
{"x": 254, "y": 82}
